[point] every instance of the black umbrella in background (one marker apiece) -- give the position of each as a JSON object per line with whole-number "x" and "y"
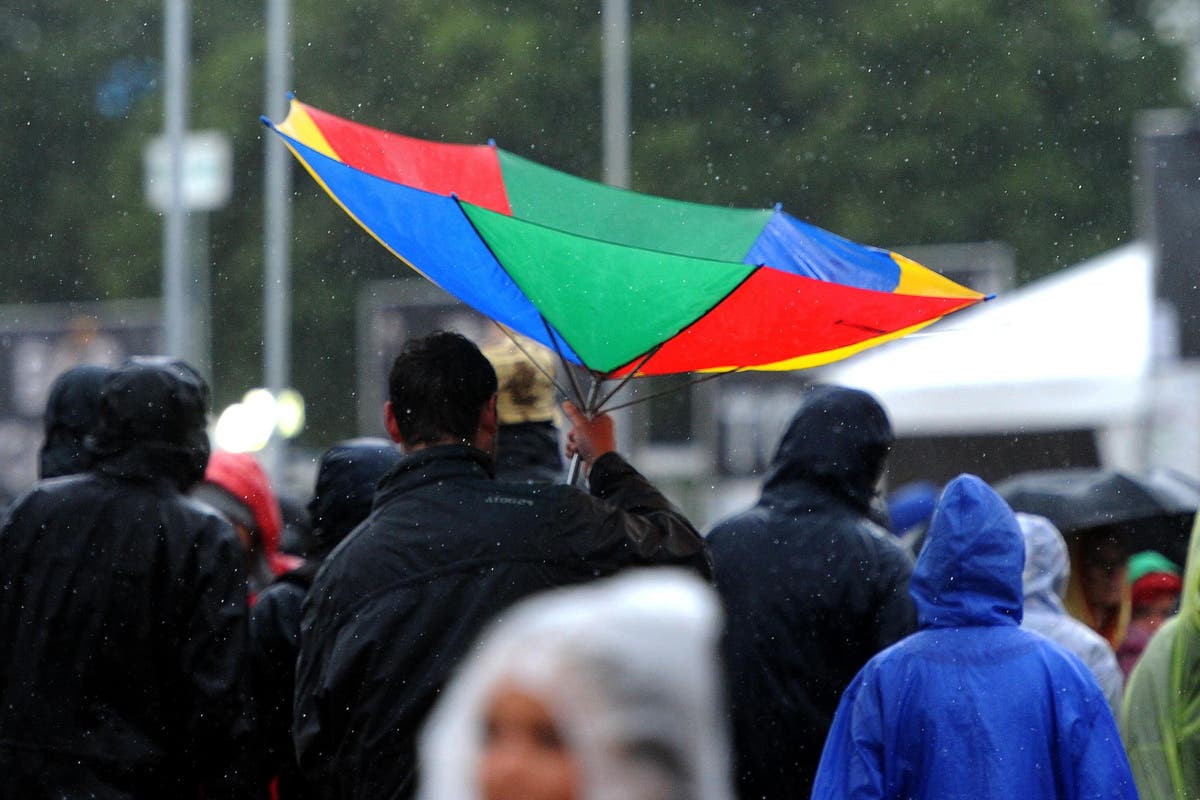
{"x": 1150, "y": 511}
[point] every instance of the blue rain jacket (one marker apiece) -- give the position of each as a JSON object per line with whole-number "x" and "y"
{"x": 972, "y": 706}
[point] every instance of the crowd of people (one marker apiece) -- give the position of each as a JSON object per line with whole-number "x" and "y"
{"x": 455, "y": 621}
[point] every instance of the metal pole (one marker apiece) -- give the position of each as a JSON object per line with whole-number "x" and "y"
{"x": 177, "y": 318}
{"x": 614, "y": 18}
{"x": 277, "y": 222}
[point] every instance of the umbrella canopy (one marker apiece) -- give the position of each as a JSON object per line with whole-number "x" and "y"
{"x": 1144, "y": 511}
{"x": 617, "y": 282}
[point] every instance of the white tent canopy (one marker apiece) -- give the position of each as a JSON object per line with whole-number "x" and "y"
{"x": 1073, "y": 350}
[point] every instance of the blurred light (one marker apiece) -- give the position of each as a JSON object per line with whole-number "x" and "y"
{"x": 290, "y": 413}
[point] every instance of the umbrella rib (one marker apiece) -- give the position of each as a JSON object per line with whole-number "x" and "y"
{"x": 549, "y": 376}
{"x": 631, "y": 374}
{"x": 570, "y": 372}
{"x": 676, "y": 388}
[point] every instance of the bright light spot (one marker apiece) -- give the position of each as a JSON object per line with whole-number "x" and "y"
{"x": 290, "y": 413}
{"x": 240, "y": 429}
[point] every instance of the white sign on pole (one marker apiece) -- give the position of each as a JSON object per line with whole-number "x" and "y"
{"x": 207, "y": 171}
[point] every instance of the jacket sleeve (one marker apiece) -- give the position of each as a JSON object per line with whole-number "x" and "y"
{"x": 851, "y": 765}
{"x": 213, "y": 668}
{"x": 896, "y": 614}
{"x": 628, "y": 521}
{"x": 1101, "y": 767}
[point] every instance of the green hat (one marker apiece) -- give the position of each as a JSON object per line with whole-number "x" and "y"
{"x": 1149, "y": 561}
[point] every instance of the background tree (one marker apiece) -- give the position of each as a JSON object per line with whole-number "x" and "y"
{"x": 891, "y": 123}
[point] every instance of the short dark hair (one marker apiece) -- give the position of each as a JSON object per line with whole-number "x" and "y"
{"x": 437, "y": 386}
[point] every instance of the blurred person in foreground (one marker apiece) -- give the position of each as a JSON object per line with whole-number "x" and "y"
{"x": 446, "y": 548}
{"x": 812, "y": 588}
{"x": 123, "y": 613}
{"x": 345, "y": 488}
{"x": 973, "y": 706}
{"x": 1154, "y": 587}
{"x": 236, "y": 485}
{"x": 527, "y": 445}
{"x": 1160, "y": 720}
{"x": 1044, "y": 580}
{"x": 72, "y": 412}
{"x": 608, "y": 691}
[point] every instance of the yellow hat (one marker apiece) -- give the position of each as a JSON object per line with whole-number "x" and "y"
{"x": 526, "y": 394}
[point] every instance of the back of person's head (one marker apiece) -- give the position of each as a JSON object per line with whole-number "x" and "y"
{"x": 345, "y": 486}
{"x": 237, "y": 486}
{"x": 969, "y": 572}
{"x": 838, "y": 438}
{"x": 1047, "y": 564}
{"x": 525, "y": 391}
{"x": 626, "y": 670}
{"x": 438, "y": 386}
{"x": 152, "y": 422}
{"x": 72, "y": 414}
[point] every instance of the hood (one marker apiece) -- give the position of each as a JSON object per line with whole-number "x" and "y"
{"x": 72, "y": 413}
{"x": 242, "y": 478}
{"x": 628, "y": 668}
{"x": 969, "y": 572}
{"x": 1047, "y": 566}
{"x": 345, "y": 488}
{"x": 838, "y": 439}
{"x": 152, "y": 424}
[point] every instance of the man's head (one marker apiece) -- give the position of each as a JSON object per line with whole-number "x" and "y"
{"x": 441, "y": 390}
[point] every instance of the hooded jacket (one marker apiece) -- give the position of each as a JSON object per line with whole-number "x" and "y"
{"x": 1045, "y": 583}
{"x": 972, "y": 706}
{"x": 1160, "y": 719}
{"x": 123, "y": 613}
{"x": 72, "y": 413}
{"x": 345, "y": 487}
{"x": 627, "y": 667}
{"x": 812, "y": 589}
{"x": 400, "y": 600}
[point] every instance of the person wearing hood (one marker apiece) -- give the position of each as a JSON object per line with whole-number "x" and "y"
{"x": 609, "y": 691}
{"x": 528, "y": 447}
{"x": 973, "y": 706}
{"x": 236, "y": 485}
{"x": 123, "y": 612}
{"x": 345, "y": 488}
{"x": 812, "y": 586}
{"x": 72, "y": 411}
{"x": 1160, "y": 719}
{"x": 1044, "y": 582}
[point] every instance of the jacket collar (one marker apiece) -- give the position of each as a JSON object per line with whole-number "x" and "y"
{"x": 434, "y": 464}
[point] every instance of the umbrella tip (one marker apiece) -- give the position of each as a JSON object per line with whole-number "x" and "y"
{"x": 492, "y": 143}
{"x": 265, "y": 121}
{"x": 291, "y": 96}
{"x": 779, "y": 206}
{"x": 987, "y": 297}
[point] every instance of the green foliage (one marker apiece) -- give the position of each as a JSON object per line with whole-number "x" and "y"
{"x": 889, "y": 122}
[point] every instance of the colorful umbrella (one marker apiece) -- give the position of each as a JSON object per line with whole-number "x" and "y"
{"x": 617, "y": 282}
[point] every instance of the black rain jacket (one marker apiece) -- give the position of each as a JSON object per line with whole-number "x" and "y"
{"x": 123, "y": 615}
{"x": 812, "y": 589}
{"x": 446, "y": 549}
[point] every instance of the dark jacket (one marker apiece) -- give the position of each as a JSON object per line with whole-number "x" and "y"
{"x": 123, "y": 615}
{"x": 973, "y": 707}
{"x": 529, "y": 452}
{"x": 812, "y": 589}
{"x": 406, "y": 594}
{"x": 345, "y": 487}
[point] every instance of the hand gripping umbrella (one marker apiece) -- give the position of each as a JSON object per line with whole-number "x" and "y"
{"x": 617, "y": 283}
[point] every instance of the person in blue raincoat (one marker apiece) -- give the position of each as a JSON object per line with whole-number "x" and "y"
{"x": 972, "y": 706}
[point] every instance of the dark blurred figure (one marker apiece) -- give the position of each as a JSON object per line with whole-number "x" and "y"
{"x": 123, "y": 613}
{"x": 528, "y": 448}
{"x": 238, "y": 487}
{"x": 812, "y": 586}
{"x": 72, "y": 411}
{"x": 345, "y": 489}
{"x": 296, "y": 538}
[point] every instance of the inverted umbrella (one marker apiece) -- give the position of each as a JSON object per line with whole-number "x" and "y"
{"x": 616, "y": 282}
{"x": 1151, "y": 511}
